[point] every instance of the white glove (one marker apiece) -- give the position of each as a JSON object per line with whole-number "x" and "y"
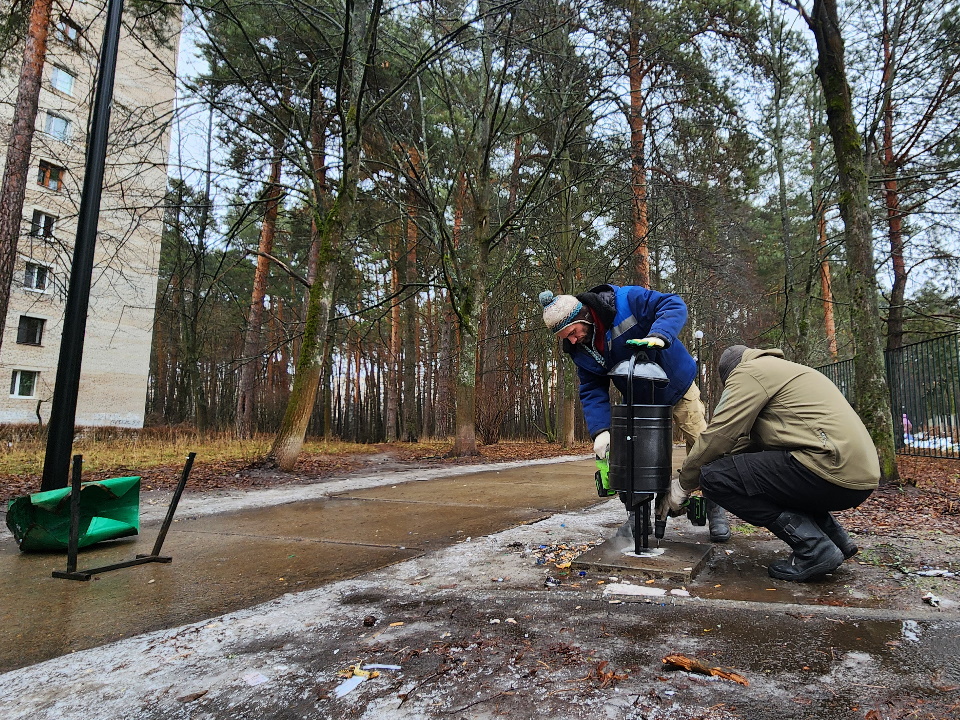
{"x": 671, "y": 502}
{"x": 601, "y": 445}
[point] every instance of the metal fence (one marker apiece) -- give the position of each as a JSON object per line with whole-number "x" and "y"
{"x": 924, "y": 380}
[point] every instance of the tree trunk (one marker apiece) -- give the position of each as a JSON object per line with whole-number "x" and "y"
{"x": 392, "y": 391}
{"x": 247, "y": 389}
{"x": 469, "y": 305}
{"x": 638, "y": 167}
{"x": 545, "y": 396}
{"x": 289, "y": 440}
{"x": 17, "y": 164}
{"x": 891, "y": 197}
{"x": 826, "y": 286}
{"x": 428, "y": 355}
{"x": 823, "y": 252}
{"x": 791, "y": 309}
{"x": 447, "y": 386}
{"x": 363, "y": 23}
{"x": 569, "y": 393}
{"x": 872, "y": 395}
{"x": 411, "y": 331}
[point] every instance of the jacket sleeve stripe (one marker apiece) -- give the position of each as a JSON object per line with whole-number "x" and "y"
{"x": 624, "y": 325}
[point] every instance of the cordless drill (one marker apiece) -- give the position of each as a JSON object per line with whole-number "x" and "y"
{"x": 602, "y": 477}
{"x": 696, "y": 513}
{"x": 697, "y": 510}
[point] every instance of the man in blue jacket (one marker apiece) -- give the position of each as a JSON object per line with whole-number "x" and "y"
{"x": 595, "y": 327}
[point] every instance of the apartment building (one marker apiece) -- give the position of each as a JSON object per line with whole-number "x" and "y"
{"x": 119, "y": 328}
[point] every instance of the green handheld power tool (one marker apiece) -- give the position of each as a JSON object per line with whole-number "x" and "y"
{"x": 602, "y": 477}
{"x": 697, "y": 510}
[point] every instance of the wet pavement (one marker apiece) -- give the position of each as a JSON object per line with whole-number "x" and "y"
{"x": 461, "y": 584}
{"x": 225, "y": 562}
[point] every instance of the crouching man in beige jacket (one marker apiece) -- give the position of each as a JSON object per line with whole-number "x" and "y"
{"x": 783, "y": 449}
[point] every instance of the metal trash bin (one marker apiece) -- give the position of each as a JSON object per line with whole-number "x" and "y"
{"x": 641, "y": 446}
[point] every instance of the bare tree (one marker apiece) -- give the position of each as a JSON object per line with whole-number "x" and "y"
{"x": 17, "y": 165}
{"x": 872, "y": 394}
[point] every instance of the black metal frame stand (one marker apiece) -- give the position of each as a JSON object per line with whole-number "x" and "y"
{"x": 71, "y": 572}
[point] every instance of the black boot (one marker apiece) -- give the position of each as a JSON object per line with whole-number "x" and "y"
{"x": 719, "y": 525}
{"x": 814, "y": 554}
{"x": 828, "y": 523}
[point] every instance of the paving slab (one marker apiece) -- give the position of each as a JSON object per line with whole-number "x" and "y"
{"x": 671, "y": 561}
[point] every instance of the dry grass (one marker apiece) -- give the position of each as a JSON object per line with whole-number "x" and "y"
{"x": 157, "y": 454}
{"x": 23, "y": 454}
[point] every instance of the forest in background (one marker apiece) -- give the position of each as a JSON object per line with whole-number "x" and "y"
{"x": 386, "y": 188}
{"x": 422, "y": 171}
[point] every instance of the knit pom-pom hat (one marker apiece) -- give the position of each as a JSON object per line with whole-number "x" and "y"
{"x": 560, "y": 311}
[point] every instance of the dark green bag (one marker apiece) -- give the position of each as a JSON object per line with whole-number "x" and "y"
{"x": 109, "y": 509}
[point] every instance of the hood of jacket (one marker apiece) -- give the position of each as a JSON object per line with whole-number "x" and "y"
{"x": 603, "y": 300}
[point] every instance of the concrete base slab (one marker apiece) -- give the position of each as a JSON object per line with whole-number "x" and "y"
{"x": 678, "y": 562}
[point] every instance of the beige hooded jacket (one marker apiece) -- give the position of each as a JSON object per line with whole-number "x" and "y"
{"x": 769, "y": 403}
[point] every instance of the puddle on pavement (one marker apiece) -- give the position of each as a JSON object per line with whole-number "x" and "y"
{"x": 738, "y": 571}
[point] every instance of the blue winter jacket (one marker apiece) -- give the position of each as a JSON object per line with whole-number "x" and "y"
{"x": 629, "y": 313}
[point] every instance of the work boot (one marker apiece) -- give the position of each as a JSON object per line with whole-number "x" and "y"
{"x": 814, "y": 554}
{"x": 717, "y": 520}
{"x": 828, "y": 523}
{"x": 626, "y": 530}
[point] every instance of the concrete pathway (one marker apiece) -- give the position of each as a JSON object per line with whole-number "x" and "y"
{"x": 236, "y": 550}
{"x": 458, "y": 583}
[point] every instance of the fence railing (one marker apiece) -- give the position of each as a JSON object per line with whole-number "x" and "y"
{"x": 924, "y": 380}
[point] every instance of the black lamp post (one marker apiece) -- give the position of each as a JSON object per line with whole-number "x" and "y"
{"x": 63, "y": 412}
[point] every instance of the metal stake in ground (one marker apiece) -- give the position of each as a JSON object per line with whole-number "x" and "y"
{"x": 73, "y": 541}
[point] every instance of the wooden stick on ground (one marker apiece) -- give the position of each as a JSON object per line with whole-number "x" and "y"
{"x": 694, "y": 665}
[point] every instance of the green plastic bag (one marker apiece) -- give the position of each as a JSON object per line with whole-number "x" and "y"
{"x": 109, "y": 509}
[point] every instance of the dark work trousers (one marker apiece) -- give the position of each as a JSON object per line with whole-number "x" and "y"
{"x": 757, "y": 487}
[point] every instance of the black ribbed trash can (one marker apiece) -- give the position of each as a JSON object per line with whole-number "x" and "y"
{"x": 641, "y": 462}
{"x": 641, "y": 442}
{"x": 641, "y": 448}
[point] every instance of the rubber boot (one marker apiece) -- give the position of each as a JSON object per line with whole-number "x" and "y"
{"x": 717, "y": 520}
{"x": 814, "y": 554}
{"x": 828, "y": 523}
{"x": 626, "y": 530}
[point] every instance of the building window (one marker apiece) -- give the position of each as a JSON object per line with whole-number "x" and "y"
{"x": 23, "y": 383}
{"x": 57, "y": 126}
{"x": 62, "y": 80}
{"x": 68, "y": 31}
{"x": 30, "y": 330}
{"x": 36, "y": 277}
{"x": 50, "y": 175}
{"x": 42, "y": 224}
